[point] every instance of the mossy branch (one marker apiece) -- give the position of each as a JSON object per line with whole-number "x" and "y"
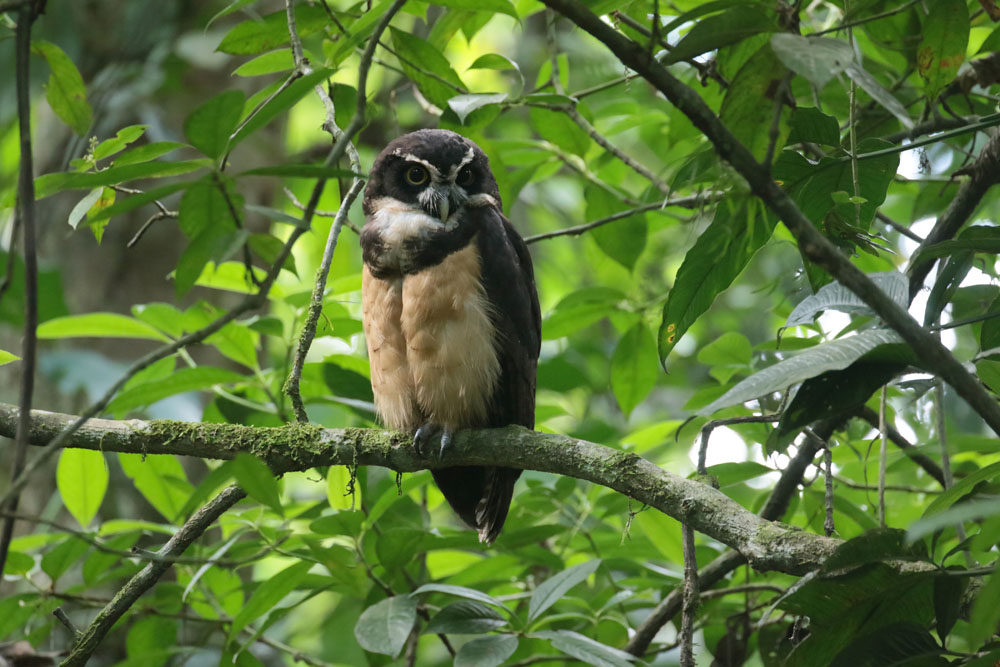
{"x": 765, "y": 545}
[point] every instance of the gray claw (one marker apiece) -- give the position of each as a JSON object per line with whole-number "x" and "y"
{"x": 446, "y": 435}
{"x": 422, "y": 437}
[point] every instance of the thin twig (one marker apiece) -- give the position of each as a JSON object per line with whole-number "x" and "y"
{"x": 706, "y": 433}
{"x": 692, "y": 202}
{"x": 25, "y": 211}
{"x": 883, "y": 455}
{"x": 690, "y": 606}
{"x": 318, "y": 213}
{"x": 828, "y": 526}
{"x": 902, "y": 229}
{"x": 150, "y": 574}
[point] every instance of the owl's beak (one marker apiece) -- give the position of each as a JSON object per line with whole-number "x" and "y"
{"x": 446, "y": 200}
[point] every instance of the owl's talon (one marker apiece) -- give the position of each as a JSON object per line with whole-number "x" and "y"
{"x": 423, "y": 436}
{"x": 446, "y": 435}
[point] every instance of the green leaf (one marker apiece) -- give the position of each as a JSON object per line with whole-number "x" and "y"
{"x": 494, "y": 6}
{"x": 358, "y": 32}
{"x": 818, "y": 59}
{"x": 732, "y": 26}
{"x": 961, "y": 488}
{"x": 208, "y": 127}
{"x": 490, "y": 651}
{"x": 267, "y": 63}
{"x": 985, "y": 612}
{"x": 269, "y": 593}
{"x": 495, "y": 61}
{"x": 833, "y": 355}
{"x": 942, "y": 49}
{"x": 300, "y": 171}
{"x": 878, "y": 545}
{"x": 555, "y": 587}
{"x": 384, "y": 627}
{"x": 63, "y": 556}
{"x": 463, "y": 105}
{"x": 586, "y": 649}
{"x": 901, "y": 643}
{"x": 460, "y": 591}
{"x": 633, "y": 367}
{"x": 258, "y": 481}
{"x": 342, "y": 522}
{"x": 623, "y": 240}
{"x": 147, "y": 152}
{"x": 82, "y": 478}
{"x": 82, "y": 206}
{"x": 186, "y": 379}
{"x": 256, "y": 36}
{"x": 160, "y": 479}
{"x": 338, "y": 481}
{"x": 834, "y": 296}
{"x": 749, "y": 105}
{"x": 50, "y": 184}
{"x": 557, "y": 128}
{"x": 65, "y": 90}
{"x": 117, "y": 143}
{"x": 467, "y": 617}
{"x": 878, "y": 93}
{"x": 727, "y": 355}
{"x": 135, "y": 201}
{"x": 18, "y": 564}
{"x": 580, "y": 309}
{"x": 972, "y": 510}
{"x": 717, "y": 258}
{"x": 811, "y": 124}
{"x": 435, "y": 77}
{"x": 281, "y": 103}
{"x": 98, "y": 325}
{"x": 948, "y": 592}
{"x": 6, "y": 357}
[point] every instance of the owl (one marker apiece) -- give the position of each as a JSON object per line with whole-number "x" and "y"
{"x": 450, "y": 310}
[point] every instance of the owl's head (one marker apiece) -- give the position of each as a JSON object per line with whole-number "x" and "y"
{"x": 434, "y": 171}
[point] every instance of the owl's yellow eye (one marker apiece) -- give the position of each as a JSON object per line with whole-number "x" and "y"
{"x": 464, "y": 177}
{"x": 416, "y": 175}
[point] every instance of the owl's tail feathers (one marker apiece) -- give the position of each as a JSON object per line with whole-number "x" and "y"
{"x": 480, "y": 495}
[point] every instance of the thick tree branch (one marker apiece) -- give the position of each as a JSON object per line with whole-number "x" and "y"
{"x": 814, "y": 246}
{"x": 765, "y": 545}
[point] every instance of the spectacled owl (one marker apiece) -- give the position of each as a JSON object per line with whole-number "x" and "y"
{"x": 450, "y": 310}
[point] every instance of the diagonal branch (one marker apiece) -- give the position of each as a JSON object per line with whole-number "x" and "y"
{"x": 812, "y": 243}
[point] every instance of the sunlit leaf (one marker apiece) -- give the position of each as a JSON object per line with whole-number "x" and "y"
{"x": 82, "y": 478}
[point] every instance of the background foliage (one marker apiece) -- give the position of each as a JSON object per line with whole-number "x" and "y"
{"x": 173, "y": 150}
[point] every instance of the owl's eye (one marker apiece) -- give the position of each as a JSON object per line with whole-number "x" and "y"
{"x": 416, "y": 175}
{"x": 464, "y": 177}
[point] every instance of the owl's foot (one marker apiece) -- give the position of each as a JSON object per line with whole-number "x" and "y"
{"x": 426, "y": 433}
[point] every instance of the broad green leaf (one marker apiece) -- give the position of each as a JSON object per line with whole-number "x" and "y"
{"x": 495, "y": 61}
{"x": 186, "y": 379}
{"x": 833, "y": 355}
{"x": 267, "y": 63}
{"x": 133, "y": 202}
{"x": 254, "y": 36}
{"x": 463, "y": 105}
{"x": 98, "y": 325}
{"x": 342, "y": 522}
{"x": 834, "y": 296}
{"x": 147, "y": 152}
{"x": 18, "y": 564}
{"x": 160, "y": 479}
{"x": 82, "y": 478}
{"x": 268, "y": 594}
{"x": 580, "y": 309}
{"x": 459, "y": 591}
{"x": 727, "y": 355}
{"x": 341, "y": 493}
{"x": 163, "y": 316}
{"x": 208, "y": 127}
{"x": 818, "y": 59}
{"x": 978, "y": 238}
{"x": 559, "y": 129}
{"x": 237, "y": 342}
{"x": 899, "y": 643}
{"x": 49, "y": 184}
{"x": 489, "y": 651}
{"x": 622, "y": 240}
{"x": 117, "y": 143}
{"x": 731, "y": 26}
{"x": 65, "y": 90}
{"x": 217, "y": 243}
{"x": 942, "y": 49}
{"x": 467, "y": 617}
{"x": 749, "y": 105}
{"x": 63, "y": 556}
{"x": 589, "y": 651}
{"x": 258, "y": 481}
{"x": 6, "y": 357}
{"x": 384, "y": 627}
{"x": 728, "y": 474}
{"x": 357, "y": 32}
{"x": 717, "y": 258}
{"x": 634, "y": 367}
{"x": 811, "y": 124}
{"x": 961, "y": 488}
{"x": 884, "y": 544}
{"x": 985, "y": 612}
{"x": 948, "y": 592}
{"x": 958, "y": 513}
{"x": 151, "y": 641}
{"x": 280, "y": 103}
{"x": 494, "y": 6}
{"x": 445, "y": 82}
{"x": 82, "y": 206}
{"x": 555, "y": 587}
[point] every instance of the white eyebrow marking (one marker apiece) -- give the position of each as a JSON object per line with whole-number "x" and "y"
{"x": 410, "y": 157}
{"x": 453, "y": 172}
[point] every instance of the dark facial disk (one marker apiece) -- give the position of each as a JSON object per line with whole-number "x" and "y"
{"x": 413, "y": 163}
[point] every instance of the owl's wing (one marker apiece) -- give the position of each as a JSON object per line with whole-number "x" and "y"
{"x": 509, "y": 281}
